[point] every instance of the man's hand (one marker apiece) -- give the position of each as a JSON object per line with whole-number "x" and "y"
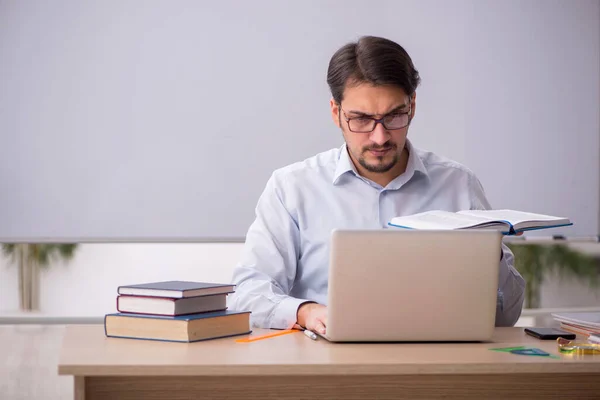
{"x": 313, "y": 317}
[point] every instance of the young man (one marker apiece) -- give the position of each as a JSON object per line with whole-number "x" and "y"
{"x": 376, "y": 175}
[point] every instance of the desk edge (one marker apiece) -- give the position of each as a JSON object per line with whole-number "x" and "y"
{"x": 353, "y": 369}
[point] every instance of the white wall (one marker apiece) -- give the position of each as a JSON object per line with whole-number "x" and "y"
{"x": 87, "y": 286}
{"x": 556, "y": 293}
{"x": 520, "y": 76}
{"x": 110, "y": 109}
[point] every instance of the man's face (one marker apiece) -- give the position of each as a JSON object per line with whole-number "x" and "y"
{"x": 380, "y": 150}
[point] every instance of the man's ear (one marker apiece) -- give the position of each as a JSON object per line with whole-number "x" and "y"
{"x": 413, "y": 104}
{"x": 335, "y": 112}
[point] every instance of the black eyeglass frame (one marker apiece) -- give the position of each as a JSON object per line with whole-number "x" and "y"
{"x": 378, "y": 120}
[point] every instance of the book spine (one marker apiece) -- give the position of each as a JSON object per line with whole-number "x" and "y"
{"x": 171, "y": 315}
{"x": 181, "y": 341}
{"x": 582, "y": 329}
{"x": 152, "y": 297}
{"x": 573, "y": 330}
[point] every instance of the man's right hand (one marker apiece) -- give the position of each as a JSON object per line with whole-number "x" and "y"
{"x": 313, "y": 317}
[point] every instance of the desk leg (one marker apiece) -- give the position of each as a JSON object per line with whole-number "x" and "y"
{"x": 79, "y": 389}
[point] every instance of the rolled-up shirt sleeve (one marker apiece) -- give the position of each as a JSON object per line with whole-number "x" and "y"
{"x": 511, "y": 285}
{"x": 267, "y": 268}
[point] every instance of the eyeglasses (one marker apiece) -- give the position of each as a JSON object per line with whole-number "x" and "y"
{"x": 391, "y": 122}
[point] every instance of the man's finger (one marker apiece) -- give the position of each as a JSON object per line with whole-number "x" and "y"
{"x": 320, "y": 327}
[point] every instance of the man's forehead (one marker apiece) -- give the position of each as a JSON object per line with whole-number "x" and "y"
{"x": 366, "y": 98}
{"x": 366, "y": 109}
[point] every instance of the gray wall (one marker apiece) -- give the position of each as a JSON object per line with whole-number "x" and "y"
{"x": 163, "y": 119}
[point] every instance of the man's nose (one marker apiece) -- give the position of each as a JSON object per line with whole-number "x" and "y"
{"x": 380, "y": 135}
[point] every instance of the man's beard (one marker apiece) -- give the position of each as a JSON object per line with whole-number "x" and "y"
{"x": 379, "y": 168}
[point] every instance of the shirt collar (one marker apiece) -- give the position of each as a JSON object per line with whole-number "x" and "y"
{"x": 414, "y": 160}
{"x": 344, "y": 165}
{"x": 415, "y": 164}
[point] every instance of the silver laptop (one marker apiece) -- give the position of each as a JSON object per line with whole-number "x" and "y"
{"x": 408, "y": 285}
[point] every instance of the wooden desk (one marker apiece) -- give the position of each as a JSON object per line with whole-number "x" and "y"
{"x": 294, "y": 366}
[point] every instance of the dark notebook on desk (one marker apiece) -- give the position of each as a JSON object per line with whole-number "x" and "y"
{"x": 175, "y": 289}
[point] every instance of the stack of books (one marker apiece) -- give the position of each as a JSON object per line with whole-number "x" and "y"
{"x": 583, "y": 323}
{"x": 178, "y": 311}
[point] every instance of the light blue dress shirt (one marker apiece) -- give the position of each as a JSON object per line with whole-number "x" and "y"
{"x": 285, "y": 258}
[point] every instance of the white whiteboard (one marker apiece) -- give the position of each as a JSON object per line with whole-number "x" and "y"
{"x": 164, "y": 119}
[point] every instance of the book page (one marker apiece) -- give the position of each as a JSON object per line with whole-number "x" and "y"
{"x": 439, "y": 220}
{"x": 516, "y": 217}
{"x": 585, "y": 319}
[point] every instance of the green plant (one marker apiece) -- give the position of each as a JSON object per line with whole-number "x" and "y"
{"x": 535, "y": 262}
{"x": 29, "y": 259}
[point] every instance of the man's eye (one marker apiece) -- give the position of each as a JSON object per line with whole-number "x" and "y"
{"x": 395, "y": 116}
{"x": 363, "y": 119}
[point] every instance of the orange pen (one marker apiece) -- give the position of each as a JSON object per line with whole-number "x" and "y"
{"x": 266, "y": 336}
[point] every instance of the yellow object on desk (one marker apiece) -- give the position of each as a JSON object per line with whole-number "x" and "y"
{"x": 578, "y": 348}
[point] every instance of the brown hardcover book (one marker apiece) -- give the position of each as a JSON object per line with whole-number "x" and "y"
{"x": 185, "y": 328}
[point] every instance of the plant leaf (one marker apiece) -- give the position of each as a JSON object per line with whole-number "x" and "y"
{"x": 42, "y": 254}
{"x": 535, "y": 262}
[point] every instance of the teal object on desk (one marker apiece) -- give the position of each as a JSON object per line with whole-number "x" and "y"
{"x": 526, "y": 351}
{"x": 530, "y": 352}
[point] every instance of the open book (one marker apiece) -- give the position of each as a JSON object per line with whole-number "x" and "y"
{"x": 509, "y": 222}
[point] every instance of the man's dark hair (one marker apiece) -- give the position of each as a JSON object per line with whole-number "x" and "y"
{"x": 373, "y": 60}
